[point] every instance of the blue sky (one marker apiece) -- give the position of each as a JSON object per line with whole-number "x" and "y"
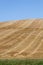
{"x": 20, "y": 9}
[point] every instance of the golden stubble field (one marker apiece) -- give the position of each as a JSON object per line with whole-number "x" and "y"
{"x": 21, "y": 39}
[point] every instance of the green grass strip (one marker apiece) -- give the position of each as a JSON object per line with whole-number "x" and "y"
{"x": 22, "y": 62}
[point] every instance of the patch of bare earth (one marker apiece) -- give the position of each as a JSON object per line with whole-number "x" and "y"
{"x": 21, "y": 39}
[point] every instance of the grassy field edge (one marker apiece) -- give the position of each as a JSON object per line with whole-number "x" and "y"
{"x": 21, "y": 62}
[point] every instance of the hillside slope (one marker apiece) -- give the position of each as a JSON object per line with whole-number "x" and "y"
{"x": 21, "y": 39}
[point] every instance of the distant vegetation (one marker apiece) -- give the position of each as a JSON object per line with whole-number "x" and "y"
{"x": 22, "y": 62}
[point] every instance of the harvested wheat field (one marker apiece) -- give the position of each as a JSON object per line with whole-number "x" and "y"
{"x": 21, "y": 39}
